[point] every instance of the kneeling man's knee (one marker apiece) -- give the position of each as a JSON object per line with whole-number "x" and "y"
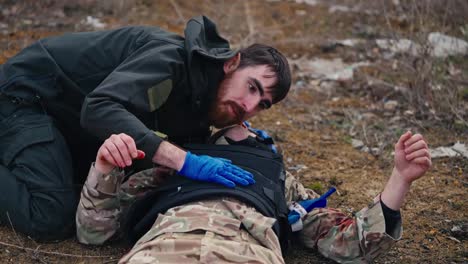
{"x": 53, "y": 216}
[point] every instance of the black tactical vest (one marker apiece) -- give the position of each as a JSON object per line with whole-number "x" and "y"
{"x": 266, "y": 195}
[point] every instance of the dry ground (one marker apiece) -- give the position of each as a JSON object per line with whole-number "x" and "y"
{"x": 312, "y": 127}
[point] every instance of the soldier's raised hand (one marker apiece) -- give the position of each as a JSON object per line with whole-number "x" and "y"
{"x": 117, "y": 151}
{"x": 412, "y": 157}
{"x": 412, "y": 160}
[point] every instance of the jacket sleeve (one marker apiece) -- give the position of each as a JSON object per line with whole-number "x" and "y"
{"x": 358, "y": 239}
{"x": 142, "y": 83}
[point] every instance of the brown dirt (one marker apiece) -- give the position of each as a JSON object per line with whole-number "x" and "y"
{"x": 311, "y": 127}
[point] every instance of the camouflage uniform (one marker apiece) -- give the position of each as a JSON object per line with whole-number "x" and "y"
{"x": 210, "y": 231}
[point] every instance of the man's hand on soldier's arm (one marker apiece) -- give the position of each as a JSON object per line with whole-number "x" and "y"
{"x": 412, "y": 160}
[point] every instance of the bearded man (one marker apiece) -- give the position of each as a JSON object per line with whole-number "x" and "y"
{"x": 61, "y": 97}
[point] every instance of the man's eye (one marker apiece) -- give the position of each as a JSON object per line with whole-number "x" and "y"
{"x": 252, "y": 88}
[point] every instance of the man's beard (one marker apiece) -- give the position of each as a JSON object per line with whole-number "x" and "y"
{"x": 220, "y": 114}
{"x": 220, "y": 111}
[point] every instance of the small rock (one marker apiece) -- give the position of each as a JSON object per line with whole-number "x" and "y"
{"x": 443, "y": 45}
{"x": 399, "y": 46}
{"x": 300, "y": 84}
{"x": 390, "y": 105}
{"x": 356, "y": 143}
{"x": 301, "y": 12}
{"x": 395, "y": 119}
{"x": 335, "y": 69}
{"x": 338, "y": 8}
{"x": 458, "y": 149}
{"x": 94, "y": 22}
{"x": 308, "y": 2}
{"x": 375, "y": 151}
{"x": 27, "y": 21}
{"x": 298, "y": 167}
{"x": 350, "y": 42}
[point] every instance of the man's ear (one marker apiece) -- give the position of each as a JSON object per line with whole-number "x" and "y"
{"x": 231, "y": 65}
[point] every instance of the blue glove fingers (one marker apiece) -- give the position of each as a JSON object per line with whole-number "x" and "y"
{"x": 222, "y": 180}
{"x": 241, "y": 173}
{"x": 231, "y": 176}
{"x": 224, "y": 160}
{"x": 238, "y": 170}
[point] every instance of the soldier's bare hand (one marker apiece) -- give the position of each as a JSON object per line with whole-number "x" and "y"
{"x": 412, "y": 157}
{"x": 117, "y": 151}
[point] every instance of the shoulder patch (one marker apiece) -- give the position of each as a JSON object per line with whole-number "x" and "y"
{"x": 158, "y": 94}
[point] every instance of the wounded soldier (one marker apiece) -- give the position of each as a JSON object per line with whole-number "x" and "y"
{"x": 177, "y": 220}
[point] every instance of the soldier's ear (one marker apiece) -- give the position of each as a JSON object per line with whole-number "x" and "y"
{"x": 231, "y": 65}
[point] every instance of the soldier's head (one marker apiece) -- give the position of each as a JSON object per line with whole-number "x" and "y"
{"x": 255, "y": 78}
{"x": 238, "y": 135}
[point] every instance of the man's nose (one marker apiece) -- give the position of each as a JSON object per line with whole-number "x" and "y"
{"x": 250, "y": 104}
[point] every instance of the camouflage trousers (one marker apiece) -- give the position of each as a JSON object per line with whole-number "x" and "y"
{"x": 224, "y": 230}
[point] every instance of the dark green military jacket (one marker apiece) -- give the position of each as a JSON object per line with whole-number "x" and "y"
{"x": 132, "y": 80}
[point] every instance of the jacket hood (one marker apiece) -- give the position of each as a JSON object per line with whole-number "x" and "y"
{"x": 207, "y": 51}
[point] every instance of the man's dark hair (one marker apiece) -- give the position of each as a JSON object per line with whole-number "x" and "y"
{"x": 259, "y": 54}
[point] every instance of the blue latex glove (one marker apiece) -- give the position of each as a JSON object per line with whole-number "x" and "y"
{"x": 263, "y": 134}
{"x": 301, "y": 208}
{"x": 218, "y": 170}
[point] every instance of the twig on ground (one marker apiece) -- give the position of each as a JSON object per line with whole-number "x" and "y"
{"x": 52, "y": 252}
{"x": 178, "y": 11}
{"x": 250, "y": 24}
{"x": 109, "y": 261}
{"x": 14, "y": 231}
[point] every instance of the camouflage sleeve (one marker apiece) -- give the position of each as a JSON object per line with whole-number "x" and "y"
{"x": 358, "y": 239}
{"x": 295, "y": 191}
{"x": 98, "y": 212}
{"x": 105, "y": 199}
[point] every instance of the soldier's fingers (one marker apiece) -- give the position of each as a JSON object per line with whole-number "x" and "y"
{"x": 107, "y": 156}
{"x": 413, "y": 139}
{"x": 114, "y": 152}
{"x": 401, "y": 141}
{"x": 130, "y": 144}
{"x": 423, "y": 161}
{"x": 421, "y": 144}
{"x": 418, "y": 154}
{"x": 123, "y": 150}
{"x": 140, "y": 154}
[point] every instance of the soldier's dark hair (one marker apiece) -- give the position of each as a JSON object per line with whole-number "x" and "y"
{"x": 259, "y": 54}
